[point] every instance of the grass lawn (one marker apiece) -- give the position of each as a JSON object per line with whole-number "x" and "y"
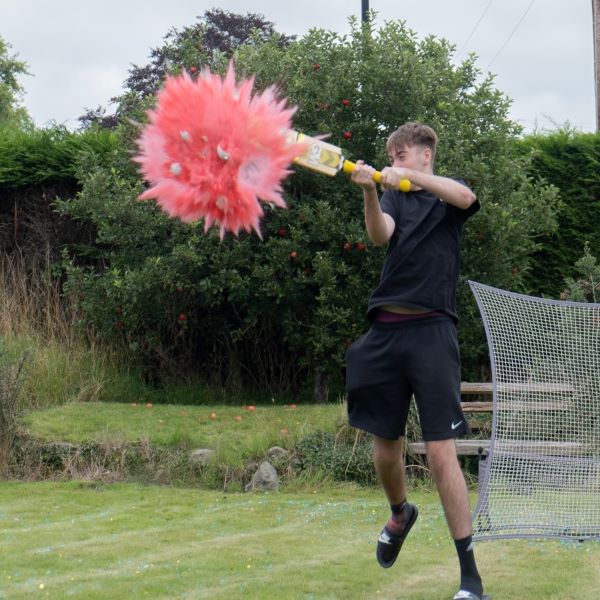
{"x": 235, "y": 433}
{"x": 88, "y": 541}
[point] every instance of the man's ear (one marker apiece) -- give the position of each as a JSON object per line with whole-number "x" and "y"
{"x": 427, "y": 155}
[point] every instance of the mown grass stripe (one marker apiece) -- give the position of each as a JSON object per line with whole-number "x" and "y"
{"x": 275, "y": 546}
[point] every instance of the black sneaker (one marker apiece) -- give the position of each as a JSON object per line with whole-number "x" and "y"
{"x": 389, "y": 543}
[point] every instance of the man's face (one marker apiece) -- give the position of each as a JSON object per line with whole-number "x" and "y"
{"x": 411, "y": 157}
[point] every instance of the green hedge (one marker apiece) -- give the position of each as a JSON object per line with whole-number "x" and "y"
{"x": 43, "y": 156}
{"x": 36, "y": 167}
{"x": 570, "y": 161}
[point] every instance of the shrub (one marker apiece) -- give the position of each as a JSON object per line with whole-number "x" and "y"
{"x": 586, "y": 288}
{"x": 341, "y": 459}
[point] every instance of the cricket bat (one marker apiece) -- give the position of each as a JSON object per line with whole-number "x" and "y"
{"x": 329, "y": 159}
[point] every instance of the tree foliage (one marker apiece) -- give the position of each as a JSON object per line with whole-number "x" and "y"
{"x": 12, "y": 114}
{"x": 216, "y": 33}
{"x": 277, "y": 314}
{"x": 586, "y": 287}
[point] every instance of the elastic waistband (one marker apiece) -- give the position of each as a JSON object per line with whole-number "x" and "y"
{"x": 431, "y": 320}
{"x": 384, "y": 316}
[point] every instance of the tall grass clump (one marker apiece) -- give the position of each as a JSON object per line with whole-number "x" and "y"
{"x": 10, "y": 383}
{"x": 30, "y": 301}
{"x": 37, "y": 320}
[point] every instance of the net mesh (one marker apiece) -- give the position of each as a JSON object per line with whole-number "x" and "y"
{"x": 541, "y": 476}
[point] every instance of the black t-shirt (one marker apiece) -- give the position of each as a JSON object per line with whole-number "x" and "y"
{"x": 422, "y": 263}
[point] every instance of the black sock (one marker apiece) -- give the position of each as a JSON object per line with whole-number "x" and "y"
{"x": 398, "y": 509}
{"x": 397, "y": 521}
{"x": 469, "y": 576}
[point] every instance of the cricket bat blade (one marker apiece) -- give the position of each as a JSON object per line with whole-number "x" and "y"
{"x": 322, "y": 157}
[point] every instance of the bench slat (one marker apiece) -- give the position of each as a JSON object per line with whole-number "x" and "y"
{"x": 487, "y": 388}
{"x": 474, "y": 447}
{"x": 470, "y": 407}
{"x": 463, "y": 447}
{"x": 468, "y": 388}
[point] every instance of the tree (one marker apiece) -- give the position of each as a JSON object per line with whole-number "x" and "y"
{"x": 11, "y": 113}
{"x": 217, "y": 32}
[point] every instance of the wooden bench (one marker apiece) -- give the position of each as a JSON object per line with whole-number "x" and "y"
{"x": 475, "y": 447}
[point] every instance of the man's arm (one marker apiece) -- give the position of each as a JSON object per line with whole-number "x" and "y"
{"x": 380, "y": 226}
{"x": 446, "y": 189}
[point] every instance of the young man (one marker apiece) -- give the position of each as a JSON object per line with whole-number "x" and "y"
{"x": 412, "y": 346}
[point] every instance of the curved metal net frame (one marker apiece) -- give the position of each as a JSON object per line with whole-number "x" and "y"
{"x": 541, "y": 477}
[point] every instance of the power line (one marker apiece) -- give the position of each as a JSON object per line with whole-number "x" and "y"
{"x": 474, "y": 28}
{"x": 510, "y": 36}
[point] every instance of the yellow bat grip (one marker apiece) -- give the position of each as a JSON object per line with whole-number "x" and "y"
{"x": 403, "y": 186}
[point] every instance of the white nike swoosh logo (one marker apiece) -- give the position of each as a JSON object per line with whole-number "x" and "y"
{"x": 454, "y": 426}
{"x": 384, "y": 539}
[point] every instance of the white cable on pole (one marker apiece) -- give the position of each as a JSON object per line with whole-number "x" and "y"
{"x": 474, "y": 28}
{"x": 510, "y": 36}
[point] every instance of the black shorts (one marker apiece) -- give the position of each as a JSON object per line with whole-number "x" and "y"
{"x": 393, "y": 361}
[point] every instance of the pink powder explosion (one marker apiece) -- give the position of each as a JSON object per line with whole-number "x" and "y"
{"x": 212, "y": 149}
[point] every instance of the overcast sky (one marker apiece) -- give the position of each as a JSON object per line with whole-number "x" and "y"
{"x": 79, "y": 51}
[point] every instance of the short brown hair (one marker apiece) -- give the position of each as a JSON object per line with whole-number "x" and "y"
{"x": 413, "y": 134}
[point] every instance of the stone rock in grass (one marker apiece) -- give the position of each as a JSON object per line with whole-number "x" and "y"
{"x": 201, "y": 456}
{"x": 277, "y": 453}
{"x": 250, "y": 466}
{"x": 265, "y": 478}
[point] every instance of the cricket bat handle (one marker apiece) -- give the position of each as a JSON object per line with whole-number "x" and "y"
{"x": 349, "y": 166}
